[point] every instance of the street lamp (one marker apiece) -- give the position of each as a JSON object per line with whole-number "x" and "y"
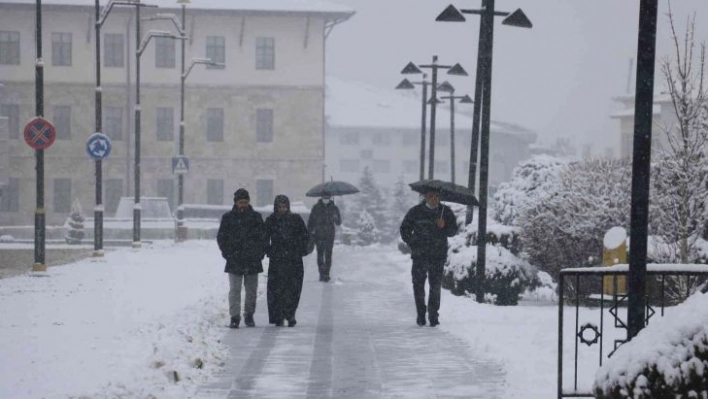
{"x": 138, "y": 53}
{"x": 408, "y": 85}
{"x": 483, "y": 100}
{"x": 447, "y": 87}
{"x": 455, "y": 70}
{"x": 98, "y": 208}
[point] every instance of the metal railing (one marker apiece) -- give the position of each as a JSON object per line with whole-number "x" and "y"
{"x": 591, "y": 334}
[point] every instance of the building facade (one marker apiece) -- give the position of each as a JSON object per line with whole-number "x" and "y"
{"x": 255, "y": 122}
{"x": 663, "y": 116}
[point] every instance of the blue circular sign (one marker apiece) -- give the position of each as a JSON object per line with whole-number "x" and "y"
{"x": 98, "y": 146}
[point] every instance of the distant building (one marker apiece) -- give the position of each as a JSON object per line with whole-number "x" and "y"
{"x": 380, "y": 128}
{"x": 663, "y": 114}
{"x": 257, "y": 122}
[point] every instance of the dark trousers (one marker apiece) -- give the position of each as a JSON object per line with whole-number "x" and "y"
{"x": 284, "y": 289}
{"x": 324, "y": 255}
{"x": 433, "y": 271}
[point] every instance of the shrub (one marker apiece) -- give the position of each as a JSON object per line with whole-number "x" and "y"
{"x": 76, "y": 224}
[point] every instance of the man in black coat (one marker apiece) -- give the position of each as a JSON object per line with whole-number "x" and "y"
{"x": 426, "y": 228}
{"x": 324, "y": 216}
{"x": 287, "y": 238}
{"x": 241, "y": 239}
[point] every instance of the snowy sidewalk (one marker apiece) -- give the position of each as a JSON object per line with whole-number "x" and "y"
{"x": 356, "y": 337}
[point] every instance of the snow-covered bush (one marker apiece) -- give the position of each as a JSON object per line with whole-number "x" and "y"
{"x": 367, "y": 232}
{"x": 507, "y": 277}
{"x": 7, "y": 238}
{"x": 667, "y": 359}
{"x": 76, "y": 224}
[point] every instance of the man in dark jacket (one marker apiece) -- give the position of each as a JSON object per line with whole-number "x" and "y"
{"x": 324, "y": 216}
{"x": 241, "y": 239}
{"x": 287, "y": 238}
{"x": 425, "y": 229}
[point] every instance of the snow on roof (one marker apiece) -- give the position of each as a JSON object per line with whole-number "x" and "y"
{"x": 655, "y": 110}
{"x": 313, "y": 6}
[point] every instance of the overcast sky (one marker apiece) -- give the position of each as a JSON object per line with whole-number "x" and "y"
{"x": 557, "y": 78}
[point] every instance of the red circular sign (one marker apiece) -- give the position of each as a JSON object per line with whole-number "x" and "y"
{"x": 40, "y": 133}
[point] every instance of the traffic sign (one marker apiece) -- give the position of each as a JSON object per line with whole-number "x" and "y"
{"x": 98, "y": 146}
{"x": 40, "y": 133}
{"x": 180, "y": 165}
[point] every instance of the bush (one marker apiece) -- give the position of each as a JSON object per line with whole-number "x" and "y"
{"x": 76, "y": 224}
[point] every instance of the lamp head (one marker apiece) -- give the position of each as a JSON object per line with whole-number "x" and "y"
{"x": 411, "y": 68}
{"x": 518, "y": 19}
{"x": 457, "y": 70}
{"x": 446, "y": 87}
{"x": 466, "y": 99}
{"x": 405, "y": 85}
{"x": 451, "y": 14}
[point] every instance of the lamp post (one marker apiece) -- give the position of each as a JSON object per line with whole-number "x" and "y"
{"x": 456, "y": 70}
{"x": 138, "y": 53}
{"x": 39, "y": 213}
{"x": 98, "y": 208}
{"x": 482, "y": 103}
{"x": 447, "y": 87}
{"x": 408, "y": 85}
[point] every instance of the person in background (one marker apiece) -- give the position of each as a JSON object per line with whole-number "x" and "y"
{"x": 287, "y": 238}
{"x": 426, "y": 228}
{"x": 241, "y": 239}
{"x": 324, "y": 216}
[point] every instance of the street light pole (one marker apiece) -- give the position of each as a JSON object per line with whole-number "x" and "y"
{"x": 180, "y": 234}
{"x": 406, "y": 84}
{"x": 445, "y": 86}
{"x": 483, "y": 95}
{"x": 40, "y": 212}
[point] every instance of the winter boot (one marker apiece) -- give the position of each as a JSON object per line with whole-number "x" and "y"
{"x": 248, "y": 319}
{"x": 235, "y": 321}
{"x": 292, "y": 322}
{"x": 421, "y": 320}
{"x": 434, "y": 321}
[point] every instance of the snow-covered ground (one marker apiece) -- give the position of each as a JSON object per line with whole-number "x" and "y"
{"x": 127, "y": 324}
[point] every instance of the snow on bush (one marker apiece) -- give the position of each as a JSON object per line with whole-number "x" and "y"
{"x": 668, "y": 359}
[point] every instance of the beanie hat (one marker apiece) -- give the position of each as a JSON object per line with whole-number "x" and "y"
{"x": 240, "y": 194}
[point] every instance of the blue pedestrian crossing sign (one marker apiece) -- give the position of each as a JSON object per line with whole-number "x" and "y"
{"x": 98, "y": 146}
{"x": 180, "y": 165}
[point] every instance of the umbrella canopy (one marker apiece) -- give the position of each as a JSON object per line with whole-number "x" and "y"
{"x": 333, "y": 187}
{"x": 449, "y": 192}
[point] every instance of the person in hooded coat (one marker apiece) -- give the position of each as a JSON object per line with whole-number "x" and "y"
{"x": 287, "y": 238}
{"x": 241, "y": 239}
{"x": 324, "y": 216}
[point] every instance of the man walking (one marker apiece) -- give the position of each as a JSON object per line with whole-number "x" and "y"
{"x": 241, "y": 239}
{"x": 324, "y": 216}
{"x": 425, "y": 229}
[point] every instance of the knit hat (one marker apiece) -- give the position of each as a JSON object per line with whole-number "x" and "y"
{"x": 240, "y": 194}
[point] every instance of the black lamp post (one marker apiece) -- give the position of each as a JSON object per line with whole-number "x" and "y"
{"x": 456, "y": 70}
{"x": 40, "y": 222}
{"x": 138, "y": 53}
{"x": 482, "y": 103}
{"x": 408, "y": 85}
{"x": 98, "y": 209}
{"x": 447, "y": 87}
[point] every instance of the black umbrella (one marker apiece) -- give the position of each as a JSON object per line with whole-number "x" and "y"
{"x": 449, "y": 192}
{"x": 332, "y": 187}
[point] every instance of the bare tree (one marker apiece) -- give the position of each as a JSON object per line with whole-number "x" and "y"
{"x": 680, "y": 179}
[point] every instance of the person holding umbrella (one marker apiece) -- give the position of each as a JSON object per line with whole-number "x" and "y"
{"x": 425, "y": 229}
{"x": 324, "y": 216}
{"x": 287, "y": 239}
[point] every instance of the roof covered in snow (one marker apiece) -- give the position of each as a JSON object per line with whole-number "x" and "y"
{"x": 308, "y": 6}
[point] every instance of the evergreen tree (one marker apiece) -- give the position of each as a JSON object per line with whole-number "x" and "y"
{"x": 367, "y": 232}
{"x": 371, "y": 201}
{"x": 76, "y": 224}
{"x": 402, "y": 200}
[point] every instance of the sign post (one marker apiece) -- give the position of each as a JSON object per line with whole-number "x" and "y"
{"x": 98, "y": 147}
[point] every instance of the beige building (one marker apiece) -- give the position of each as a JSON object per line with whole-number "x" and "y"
{"x": 257, "y": 122}
{"x": 663, "y": 115}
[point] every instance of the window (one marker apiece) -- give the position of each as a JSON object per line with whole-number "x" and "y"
{"x": 381, "y": 139}
{"x": 366, "y": 154}
{"x": 215, "y": 192}
{"x": 165, "y": 123}
{"x": 166, "y": 188}
{"x": 9, "y": 48}
{"x": 411, "y": 166}
{"x": 216, "y": 50}
{"x": 61, "y": 49}
{"x": 114, "y": 190}
{"x": 215, "y": 124}
{"x": 113, "y": 50}
{"x": 381, "y": 166}
{"x": 264, "y": 192}
{"x": 264, "y": 125}
{"x": 62, "y": 122}
{"x": 410, "y": 139}
{"x": 10, "y": 200}
{"x": 265, "y": 53}
{"x": 113, "y": 122}
{"x": 62, "y": 195}
{"x": 349, "y": 166}
{"x": 12, "y": 113}
{"x": 442, "y": 166}
{"x": 164, "y": 52}
{"x": 349, "y": 138}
